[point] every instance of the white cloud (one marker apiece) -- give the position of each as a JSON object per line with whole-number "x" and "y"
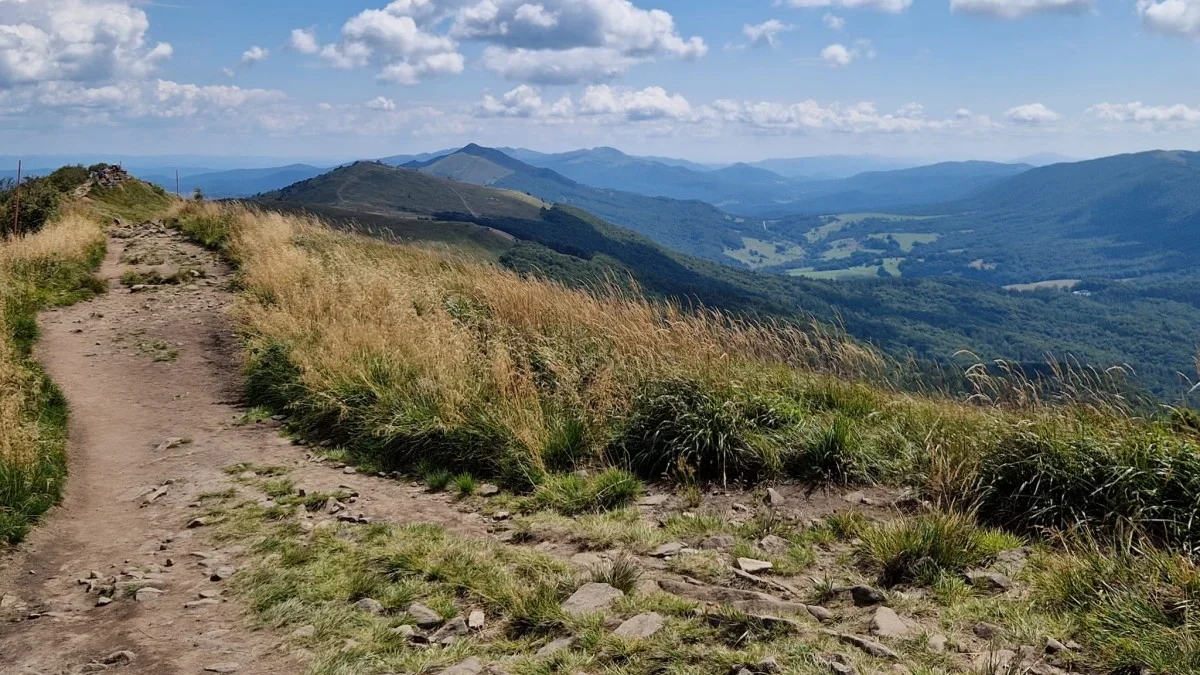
{"x": 833, "y": 21}
{"x": 889, "y": 6}
{"x": 304, "y": 41}
{"x": 390, "y": 39}
{"x": 1151, "y": 116}
{"x": 1016, "y": 9}
{"x": 550, "y": 66}
{"x": 569, "y": 41}
{"x": 809, "y": 116}
{"x": 77, "y": 40}
{"x": 380, "y": 103}
{"x": 765, "y": 33}
{"x": 540, "y": 42}
{"x": 838, "y": 55}
{"x": 1180, "y": 18}
{"x": 524, "y": 101}
{"x": 651, "y": 103}
{"x": 1032, "y": 114}
{"x": 254, "y": 55}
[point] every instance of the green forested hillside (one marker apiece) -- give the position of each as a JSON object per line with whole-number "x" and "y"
{"x": 930, "y": 318}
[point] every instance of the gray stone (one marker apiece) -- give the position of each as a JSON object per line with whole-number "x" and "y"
{"x": 886, "y": 623}
{"x": 640, "y": 627}
{"x": 989, "y": 581}
{"x": 305, "y": 631}
{"x": 449, "y": 633}
{"x": 222, "y": 668}
{"x": 774, "y": 544}
{"x": 590, "y": 598}
{"x": 718, "y": 542}
{"x": 985, "y": 631}
{"x": 654, "y": 500}
{"x": 222, "y": 573}
{"x": 148, "y": 593}
{"x": 937, "y": 644}
{"x": 476, "y": 620}
{"x": 349, "y": 470}
{"x": 750, "y": 602}
{"x": 555, "y": 647}
{"x": 869, "y": 646}
{"x": 768, "y": 665}
{"x": 774, "y": 498}
{"x": 370, "y": 606}
{"x": 754, "y": 566}
{"x": 1011, "y": 561}
{"x": 197, "y": 604}
{"x": 669, "y": 549}
{"x": 197, "y": 522}
{"x": 820, "y": 613}
{"x": 488, "y": 490}
{"x": 1054, "y": 646}
{"x": 865, "y": 596}
{"x": 855, "y": 497}
{"x": 995, "y": 662}
{"x": 121, "y": 658}
{"x": 472, "y": 666}
{"x": 103, "y": 600}
{"x": 405, "y": 631}
{"x": 839, "y": 668}
{"x": 210, "y": 593}
{"x": 585, "y": 560}
{"x": 424, "y": 617}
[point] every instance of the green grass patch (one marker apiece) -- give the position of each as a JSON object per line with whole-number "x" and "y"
{"x": 924, "y": 548}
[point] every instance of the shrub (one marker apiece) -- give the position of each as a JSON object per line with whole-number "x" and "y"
{"x": 1134, "y": 607}
{"x": 571, "y": 493}
{"x": 465, "y": 484}
{"x": 688, "y": 429}
{"x": 923, "y": 548}
{"x": 1054, "y": 476}
{"x": 40, "y": 200}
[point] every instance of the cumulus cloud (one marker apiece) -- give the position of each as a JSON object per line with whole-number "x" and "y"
{"x": 651, "y": 103}
{"x": 304, "y": 41}
{"x": 75, "y": 40}
{"x": 524, "y": 101}
{"x": 380, "y": 103}
{"x": 1180, "y": 18}
{"x": 254, "y": 55}
{"x": 542, "y": 42}
{"x": 391, "y": 40}
{"x": 1148, "y": 115}
{"x": 889, "y": 6}
{"x": 833, "y": 21}
{"x": 838, "y": 55}
{"x": 1017, "y": 9}
{"x": 806, "y": 116}
{"x": 765, "y": 33}
{"x": 1032, "y": 114}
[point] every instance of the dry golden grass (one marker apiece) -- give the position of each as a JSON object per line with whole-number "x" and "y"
{"x": 464, "y": 336}
{"x": 50, "y": 266}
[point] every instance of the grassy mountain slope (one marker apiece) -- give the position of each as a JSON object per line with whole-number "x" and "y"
{"x": 1117, "y": 217}
{"x": 377, "y": 188}
{"x": 690, "y": 226}
{"x": 932, "y": 318}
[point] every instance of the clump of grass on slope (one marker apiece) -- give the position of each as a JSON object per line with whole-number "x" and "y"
{"x": 1135, "y": 608}
{"x": 572, "y": 494}
{"x": 50, "y": 267}
{"x": 924, "y": 548}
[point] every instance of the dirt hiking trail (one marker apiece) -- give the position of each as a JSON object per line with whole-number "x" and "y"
{"x": 115, "y": 580}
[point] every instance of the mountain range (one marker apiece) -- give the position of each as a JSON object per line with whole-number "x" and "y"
{"x": 931, "y": 318}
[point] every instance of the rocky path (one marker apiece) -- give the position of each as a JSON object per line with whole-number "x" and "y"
{"x": 115, "y": 581}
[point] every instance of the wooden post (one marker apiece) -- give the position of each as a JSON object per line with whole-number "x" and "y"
{"x": 17, "y": 202}
{"x": 176, "y": 182}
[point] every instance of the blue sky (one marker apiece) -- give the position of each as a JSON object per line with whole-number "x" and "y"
{"x": 702, "y": 79}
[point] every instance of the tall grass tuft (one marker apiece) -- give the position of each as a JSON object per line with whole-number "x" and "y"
{"x": 924, "y": 548}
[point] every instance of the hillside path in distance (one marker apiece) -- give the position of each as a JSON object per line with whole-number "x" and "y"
{"x": 151, "y": 379}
